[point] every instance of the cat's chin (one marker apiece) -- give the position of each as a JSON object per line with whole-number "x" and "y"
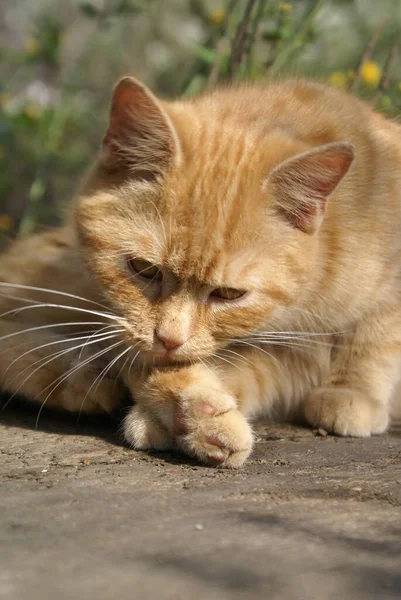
{"x": 164, "y": 360}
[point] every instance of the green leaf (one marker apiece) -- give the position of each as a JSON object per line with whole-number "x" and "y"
{"x": 205, "y": 54}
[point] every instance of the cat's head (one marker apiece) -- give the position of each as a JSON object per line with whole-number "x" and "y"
{"x": 201, "y": 230}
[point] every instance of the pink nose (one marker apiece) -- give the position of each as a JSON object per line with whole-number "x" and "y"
{"x": 169, "y": 343}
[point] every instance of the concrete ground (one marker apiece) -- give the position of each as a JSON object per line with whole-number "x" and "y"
{"x": 309, "y": 516}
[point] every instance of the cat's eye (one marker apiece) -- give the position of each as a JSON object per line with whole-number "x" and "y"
{"x": 225, "y": 294}
{"x": 144, "y": 269}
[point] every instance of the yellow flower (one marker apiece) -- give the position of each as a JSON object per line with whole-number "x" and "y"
{"x": 31, "y": 46}
{"x": 370, "y": 73}
{"x": 216, "y": 17}
{"x": 285, "y": 7}
{"x": 6, "y": 223}
{"x": 338, "y": 79}
{"x": 33, "y": 111}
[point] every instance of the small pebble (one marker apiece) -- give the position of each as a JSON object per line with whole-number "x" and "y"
{"x": 199, "y": 527}
{"x": 44, "y": 470}
{"x": 322, "y": 432}
{"x": 356, "y": 489}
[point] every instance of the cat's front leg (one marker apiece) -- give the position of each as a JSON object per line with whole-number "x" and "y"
{"x": 355, "y": 399}
{"x": 189, "y": 409}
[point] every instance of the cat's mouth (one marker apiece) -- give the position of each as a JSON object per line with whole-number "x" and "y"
{"x": 165, "y": 359}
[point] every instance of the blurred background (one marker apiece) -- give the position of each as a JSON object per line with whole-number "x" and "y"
{"x": 60, "y": 59}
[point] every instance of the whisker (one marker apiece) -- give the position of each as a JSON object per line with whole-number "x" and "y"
{"x": 60, "y": 341}
{"x": 63, "y": 306}
{"x": 241, "y": 357}
{"x": 19, "y": 298}
{"x": 296, "y": 347}
{"x": 219, "y": 357}
{"x": 126, "y": 360}
{"x": 291, "y": 345}
{"x": 51, "y": 325}
{"x": 78, "y": 333}
{"x": 70, "y": 372}
{"x": 308, "y": 333}
{"x": 278, "y": 340}
{"x": 204, "y": 362}
{"x": 47, "y": 361}
{"x": 96, "y": 383}
{"x": 51, "y": 291}
{"x": 97, "y": 333}
{"x": 132, "y": 362}
{"x": 261, "y": 350}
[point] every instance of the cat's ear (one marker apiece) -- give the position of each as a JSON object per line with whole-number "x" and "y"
{"x": 302, "y": 184}
{"x": 140, "y": 138}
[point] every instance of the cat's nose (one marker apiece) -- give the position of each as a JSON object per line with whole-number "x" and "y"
{"x": 168, "y": 342}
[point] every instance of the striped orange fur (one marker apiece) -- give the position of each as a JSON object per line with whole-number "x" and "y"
{"x": 242, "y": 250}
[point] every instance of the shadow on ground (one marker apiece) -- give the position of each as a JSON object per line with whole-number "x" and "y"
{"x": 85, "y": 517}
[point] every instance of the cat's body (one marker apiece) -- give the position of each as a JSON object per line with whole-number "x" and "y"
{"x": 226, "y": 283}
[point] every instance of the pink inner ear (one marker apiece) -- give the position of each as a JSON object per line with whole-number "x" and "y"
{"x": 303, "y": 184}
{"x": 140, "y": 136}
{"x": 302, "y": 219}
{"x": 331, "y": 170}
{"x": 131, "y": 112}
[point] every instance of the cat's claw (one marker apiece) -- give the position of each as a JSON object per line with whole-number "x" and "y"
{"x": 346, "y": 412}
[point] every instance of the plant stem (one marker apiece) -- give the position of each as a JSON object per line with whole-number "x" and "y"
{"x": 296, "y": 40}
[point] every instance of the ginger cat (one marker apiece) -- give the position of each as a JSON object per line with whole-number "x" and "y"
{"x": 233, "y": 255}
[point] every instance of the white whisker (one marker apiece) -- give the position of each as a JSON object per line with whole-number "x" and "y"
{"x": 63, "y": 306}
{"x": 132, "y": 362}
{"x": 219, "y": 357}
{"x": 51, "y": 291}
{"x": 261, "y": 350}
{"x": 96, "y": 333}
{"x": 240, "y": 356}
{"x": 308, "y": 333}
{"x": 78, "y": 333}
{"x": 51, "y": 325}
{"x": 70, "y": 372}
{"x": 60, "y": 341}
{"x": 126, "y": 360}
{"x": 47, "y": 361}
{"x": 305, "y": 342}
{"x": 19, "y": 298}
{"x": 95, "y": 385}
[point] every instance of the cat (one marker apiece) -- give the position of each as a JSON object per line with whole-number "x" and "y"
{"x": 229, "y": 256}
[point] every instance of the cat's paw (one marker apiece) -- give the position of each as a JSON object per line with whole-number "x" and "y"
{"x": 211, "y": 429}
{"x": 346, "y": 412}
{"x": 143, "y": 432}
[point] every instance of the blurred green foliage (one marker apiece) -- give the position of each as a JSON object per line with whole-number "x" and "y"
{"x": 59, "y": 62}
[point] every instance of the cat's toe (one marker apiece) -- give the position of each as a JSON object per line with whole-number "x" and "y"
{"x": 143, "y": 432}
{"x": 346, "y": 412}
{"x": 225, "y": 440}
